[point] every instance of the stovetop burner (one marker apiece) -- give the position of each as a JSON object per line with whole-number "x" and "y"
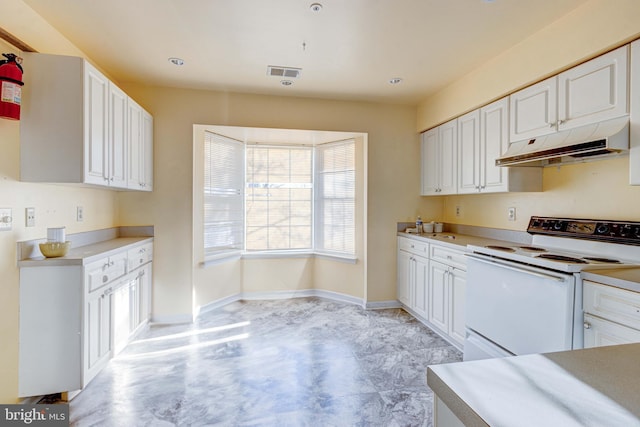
{"x": 599, "y": 259}
{"x": 532, "y": 248}
{"x": 500, "y": 248}
{"x": 563, "y": 258}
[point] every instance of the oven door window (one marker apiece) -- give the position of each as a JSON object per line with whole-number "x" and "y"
{"x": 521, "y": 308}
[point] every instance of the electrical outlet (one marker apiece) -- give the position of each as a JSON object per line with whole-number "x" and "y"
{"x": 458, "y": 211}
{"x": 511, "y": 214}
{"x": 79, "y": 214}
{"x": 30, "y": 217}
{"x": 5, "y": 219}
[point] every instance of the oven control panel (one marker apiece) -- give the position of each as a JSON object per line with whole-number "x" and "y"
{"x": 617, "y": 231}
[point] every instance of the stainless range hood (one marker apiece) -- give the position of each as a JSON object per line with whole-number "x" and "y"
{"x": 611, "y": 136}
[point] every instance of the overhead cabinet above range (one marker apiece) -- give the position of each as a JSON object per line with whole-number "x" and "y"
{"x": 588, "y": 93}
{"x": 79, "y": 127}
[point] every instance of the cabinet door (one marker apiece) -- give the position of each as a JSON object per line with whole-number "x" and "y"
{"x": 98, "y": 333}
{"x": 594, "y": 91}
{"x": 404, "y": 277}
{"x": 147, "y": 151}
{"x": 121, "y": 315}
{"x": 438, "y": 298}
{"x": 117, "y": 146}
{"x": 448, "y": 155}
{"x": 533, "y": 110}
{"x": 135, "y": 174}
{"x": 599, "y": 332}
{"x": 457, "y": 287}
{"x": 96, "y": 137}
{"x": 146, "y": 289}
{"x": 430, "y": 164}
{"x": 494, "y": 140}
{"x": 469, "y": 153}
{"x": 634, "y": 126}
{"x": 419, "y": 302}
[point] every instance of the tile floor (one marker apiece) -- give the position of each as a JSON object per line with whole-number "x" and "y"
{"x": 295, "y": 362}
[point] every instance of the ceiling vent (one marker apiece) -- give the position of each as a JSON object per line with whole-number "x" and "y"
{"x": 288, "y": 72}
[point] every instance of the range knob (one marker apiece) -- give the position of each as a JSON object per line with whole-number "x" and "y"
{"x": 625, "y": 231}
{"x": 559, "y": 225}
{"x": 602, "y": 229}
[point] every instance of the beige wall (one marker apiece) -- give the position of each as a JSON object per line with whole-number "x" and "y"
{"x": 393, "y": 192}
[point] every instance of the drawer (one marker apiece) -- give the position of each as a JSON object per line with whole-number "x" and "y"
{"x": 413, "y": 246}
{"x": 105, "y": 270}
{"x": 139, "y": 255}
{"x": 451, "y": 257}
{"x": 599, "y": 332}
{"x": 619, "y": 305}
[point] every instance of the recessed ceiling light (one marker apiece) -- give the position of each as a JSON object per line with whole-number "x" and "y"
{"x": 176, "y": 61}
{"x": 395, "y": 80}
{"x": 286, "y": 82}
{"x": 315, "y": 7}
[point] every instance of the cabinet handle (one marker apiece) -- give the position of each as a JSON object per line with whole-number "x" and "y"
{"x": 587, "y": 325}
{"x": 107, "y": 292}
{"x": 143, "y": 250}
{"x": 552, "y": 125}
{"x": 561, "y": 122}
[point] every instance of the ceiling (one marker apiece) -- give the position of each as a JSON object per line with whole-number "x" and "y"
{"x": 350, "y": 49}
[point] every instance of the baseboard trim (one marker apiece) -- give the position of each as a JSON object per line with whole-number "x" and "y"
{"x": 274, "y": 295}
{"x": 171, "y": 319}
{"x": 379, "y": 305}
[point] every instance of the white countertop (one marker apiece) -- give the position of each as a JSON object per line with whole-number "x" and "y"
{"x": 591, "y": 387}
{"x": 454, "y": 240}
{"x": 86, "y": 254}
{"x": 624, "y": 278}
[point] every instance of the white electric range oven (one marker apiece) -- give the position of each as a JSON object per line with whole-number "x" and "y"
{"x": 525, "y": 299}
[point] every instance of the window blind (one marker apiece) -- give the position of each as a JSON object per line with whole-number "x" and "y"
{"x": 335, "y": 197}
{"x": 223, "y": 196}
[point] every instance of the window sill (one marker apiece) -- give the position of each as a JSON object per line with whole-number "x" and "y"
{"x": 232, "y": 256}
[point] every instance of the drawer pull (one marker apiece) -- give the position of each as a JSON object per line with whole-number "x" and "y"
{"x": 105, "y": 279}
{"x": 587, "y": 325}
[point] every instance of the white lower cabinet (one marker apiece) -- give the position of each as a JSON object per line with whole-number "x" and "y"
{"x": 75, "y": 318}
{"x": 611, "y": 315}
{"x": 446, "y": 299}
{"x": 412, "y": 275}
{"x": 98, "y": 332}
{"x": 431, "y": 286}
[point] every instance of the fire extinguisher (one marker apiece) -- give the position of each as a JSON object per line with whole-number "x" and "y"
{"x": 11, "y": 91}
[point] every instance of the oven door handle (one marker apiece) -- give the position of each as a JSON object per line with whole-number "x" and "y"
{"x": 516, "y": 267}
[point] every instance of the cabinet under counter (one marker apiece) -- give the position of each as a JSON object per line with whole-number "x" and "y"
{"x": 77, "y": 311}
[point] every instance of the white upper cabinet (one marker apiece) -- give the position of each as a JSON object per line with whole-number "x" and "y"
{"x": 634, "y": 128}
{"x": 533, "y": 110}
{"x": 75, "y": 124}
{"x": 595, "y": 90}
{"x": 117, "y": 141}
{"x": 483, "y": 137}
{"x": 140, "y": 148}
{"x": 588, "y": 93}
{"x": 96, "y": 98}
{"x": 469, "y": 152}
{"x": 440, "y": 160}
